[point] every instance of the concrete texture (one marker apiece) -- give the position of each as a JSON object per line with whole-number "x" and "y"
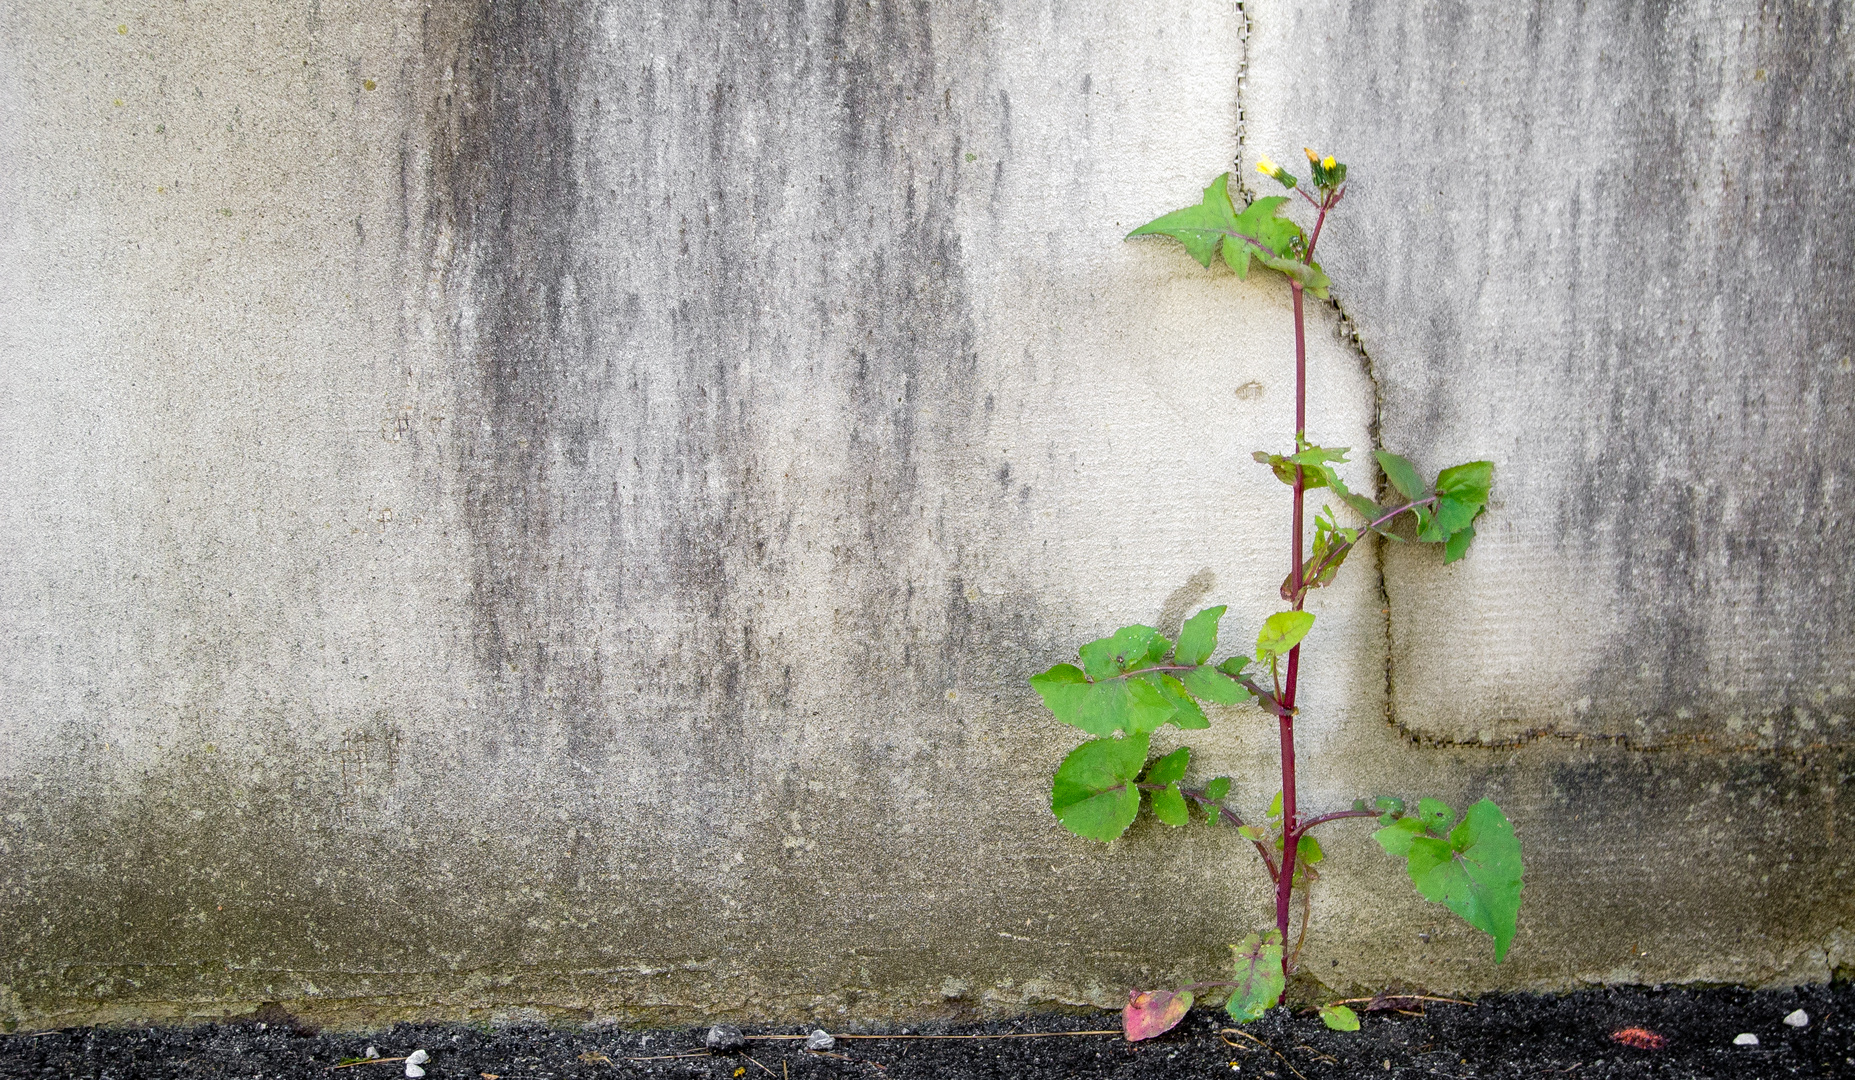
{"x": 546, "y": 511}
{"x": 1607, "y": 249}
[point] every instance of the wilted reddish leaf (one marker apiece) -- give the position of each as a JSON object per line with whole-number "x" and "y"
{"x": 1154, "y": 1012}
{"x": 1640, "y": 1038}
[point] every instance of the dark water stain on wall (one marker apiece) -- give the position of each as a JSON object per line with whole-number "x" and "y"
{"x": 718, "y": 414}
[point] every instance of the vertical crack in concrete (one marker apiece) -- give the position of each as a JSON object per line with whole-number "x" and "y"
{"x": 1349, "y": 335}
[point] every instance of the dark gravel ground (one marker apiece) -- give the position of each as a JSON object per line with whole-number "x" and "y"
{"x": 1502, "y": 1036}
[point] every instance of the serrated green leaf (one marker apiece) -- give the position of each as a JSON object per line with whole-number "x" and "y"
{"x": 1284, "y": 470}
{"x": 1454, "y": 515}
{"x": 1307, "y": 851}
{"x": 1475, "y": 873}
{"x": 1339, "y": 1018}
{"x": 1282, "y": 631}
{"x": 1132, "y": 705}
{"x": 1275, "y": 806}
{"x": 1402, "y": 474}
{"x": 1468, "y": 482}
{"x": 1361, "y": 505}
{"x": 1185, "y": 712}
{"x": 1396, "y": 837}
{"x": 1128, "y": 648}
{"x": 1310, "y": 275}
{"x": 1172, "y": 767}
{"x": 1103, "y": 708}
{"x": 1435, "y": 814}
{"x": 1314, "y": 456}
{"x": 1200, "y": 228}
{"x": 1215, "y": 220}
{"x": 1233, "y": 666}
{"x": 1258, "y": 977}
{"x": 1093, "y": 793}
{"x": 1458, "y": 544}
{"x": 1209, "y": 684}
{"x": 1169, "y": 806}
{"x": 1217, "y": 788}
{"x": 1063, "y": 689}
{"x": 1198, "y": 638}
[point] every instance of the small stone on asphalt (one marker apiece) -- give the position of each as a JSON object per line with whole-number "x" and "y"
{"x": 1798, "y": 1019}
{"x": 1747, "y": 1039}
{"x": 820, "y": 1039}
{"x": 724, "y": 1037}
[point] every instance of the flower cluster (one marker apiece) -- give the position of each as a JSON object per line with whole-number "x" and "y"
{"x": 1329, "y": 174}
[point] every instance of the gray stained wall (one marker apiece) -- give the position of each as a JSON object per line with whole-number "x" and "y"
{"x": 534, "y": 510}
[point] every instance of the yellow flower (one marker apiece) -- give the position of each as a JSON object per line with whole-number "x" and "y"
{"x": 1328, "y": 162}
{"x": 1265, "y": 166}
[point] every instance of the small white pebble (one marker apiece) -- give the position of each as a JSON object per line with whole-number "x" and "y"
{"x": 371, "y": 1052}
{"x": 413, "y": 1070}
{"x": 418, "y": 1057}
{"x": 1798, "y": 1019}
{"x": 1747, "y": 1039}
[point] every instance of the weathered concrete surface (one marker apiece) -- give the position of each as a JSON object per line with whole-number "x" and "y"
{"x": 1607, "y": 247}
{"x": 547, "y": 509}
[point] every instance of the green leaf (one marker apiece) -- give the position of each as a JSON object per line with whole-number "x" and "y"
{"x": 1200, "y": 228}
{"x": 1217, "y": 789}
{"x": 1388, "y": 807}
{"x": 1215, "y": 219}
{"x": 1169, "y": 806}
{"x": 1129, "y": 648}
{"x": 1458, "y": 544}
{"x": 1093, "y": 794}
{"x": 1310, "y": 275}
{"x": 1198, "y": 639}
{"x": 1233, "y": 666}
{"x": 1258, "y": 978}
{"x": 1435, "y": 814}
{"x": 1206, "y": 683}
{"x": 1468, "y": 482}
{"x": 1401, "y": 473}
{"x": 1130, "y": 705}
{"x": 1170, "y": 768}
{"x": 1339, "y": 1018}
{"x": 1283, "y": 631}
{"x": 1063, "y": 689}
{"x": 1185, "y": 712}
{"x": 1275, "y": 806}
{"x": 1454, "y": 515}
{"x": 1396, "y": 838}
{"x": 1475, "y": 873}
{"x": 1307, "y": 851}
{"x": 1254, "y": 832}
{"x": 1315, "y": 462}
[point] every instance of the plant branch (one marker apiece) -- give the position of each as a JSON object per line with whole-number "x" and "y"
{"x": 1225, "y": 814}
{"x": 1334, "y": 554}
{"x": 1303, "y": 827}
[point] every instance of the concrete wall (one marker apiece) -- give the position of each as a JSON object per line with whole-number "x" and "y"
{"x": 546, "y": 510}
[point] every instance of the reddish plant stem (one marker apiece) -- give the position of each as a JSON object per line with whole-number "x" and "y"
{"x": 1285, "y": 878}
